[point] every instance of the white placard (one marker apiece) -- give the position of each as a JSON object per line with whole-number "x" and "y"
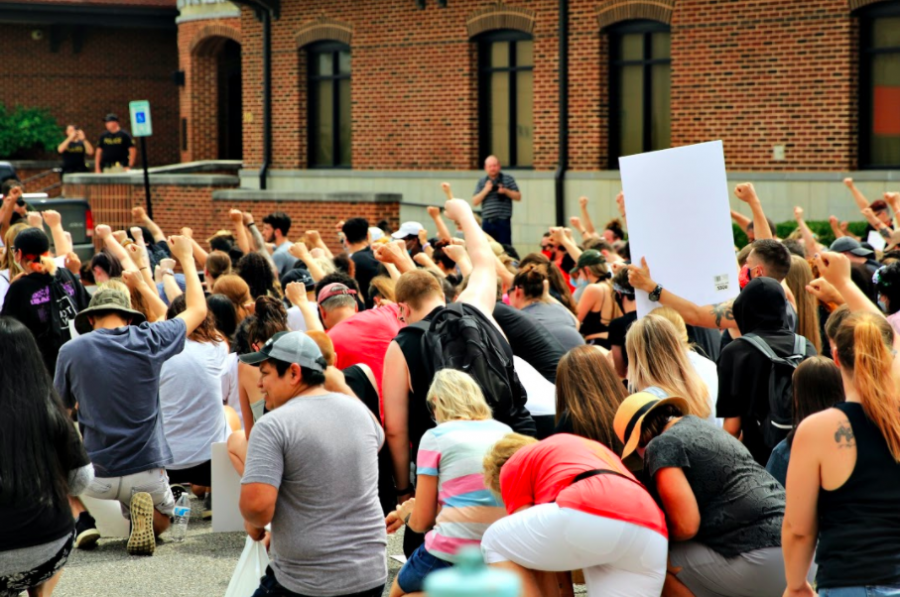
{"x": 679, "y": 219}
{"x": 876, "y": 240}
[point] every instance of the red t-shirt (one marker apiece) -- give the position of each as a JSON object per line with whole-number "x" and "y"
{"x": 364, "y": 338}
{"x": 542, "y": 473}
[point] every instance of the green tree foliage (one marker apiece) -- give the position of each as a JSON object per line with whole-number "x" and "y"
{"x": 24, "y": 130}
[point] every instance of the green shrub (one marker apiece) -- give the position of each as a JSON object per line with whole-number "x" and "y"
{"x": 822, "y": 230}
{"x": 26, "y": 130}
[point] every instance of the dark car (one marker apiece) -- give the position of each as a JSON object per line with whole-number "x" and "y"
{"x": 77, "y": 220}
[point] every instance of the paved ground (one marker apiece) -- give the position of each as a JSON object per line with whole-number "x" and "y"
{"x": 200, "y": 566}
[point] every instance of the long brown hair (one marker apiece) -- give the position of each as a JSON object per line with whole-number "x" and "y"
{"x": 799, "y": 276}
{"x": 531, "y": 280}
{"x": 206, "y": 331}
{"x": 658, "y": 357}
{"x": 589, "y": 390}
{"x": 865, "y": 347}
{"x": 234, "y": 287}
{"x": 554, "y": 275}
{"x": 269, "y": 319}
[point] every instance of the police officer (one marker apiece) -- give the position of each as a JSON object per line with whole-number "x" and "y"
{"x": 115, "y": 149}
{"x": 74, "y": 149}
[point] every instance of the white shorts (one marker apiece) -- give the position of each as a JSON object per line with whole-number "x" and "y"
{"x": 155, "y": 482}
{"x": 619, "y": 559}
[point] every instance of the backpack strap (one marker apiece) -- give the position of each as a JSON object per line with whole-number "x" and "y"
{"x": 799, "y": 345}
{"x": 601, "y": 471}
{"x": 763, "y": 347}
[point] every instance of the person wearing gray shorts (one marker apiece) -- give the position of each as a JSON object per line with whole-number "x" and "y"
{"x": 724, "y": 511}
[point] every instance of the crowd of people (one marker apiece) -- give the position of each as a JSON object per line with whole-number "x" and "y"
{"x": 472, "y": 396}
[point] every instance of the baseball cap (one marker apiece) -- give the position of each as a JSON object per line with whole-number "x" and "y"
{"x": 290, "y": 347}
{"x": 332, "y": 290}
{"x": 107, "y": 299}
{"x": 408, "y": 229}
{"x": 375, "y": 233}
{"x": 111, "y": 118}
{"x": 589, "y": 257}
{"x": 845, "y": 244}
{"x": 298, "y": 274}
{"x": 33, "y": 243}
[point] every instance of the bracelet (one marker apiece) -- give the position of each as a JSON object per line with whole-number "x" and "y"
{"x": 251, "y": 224}
{"x": 168, "y": 272}
{"x": 145, "y": 267}
{"x": 426, "y": 245}
{"x": 405, "y": 490}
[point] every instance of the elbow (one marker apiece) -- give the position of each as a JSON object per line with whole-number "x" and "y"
{"x": 255, "y": 512}
{"x": 684, "y": 530}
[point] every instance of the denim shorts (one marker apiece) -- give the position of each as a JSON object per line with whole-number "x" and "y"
{"x": 873, "y": 591}
{"x": 419, "y": 565}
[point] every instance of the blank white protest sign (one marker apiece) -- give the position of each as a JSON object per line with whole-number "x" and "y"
{"x": 679, "y": 219}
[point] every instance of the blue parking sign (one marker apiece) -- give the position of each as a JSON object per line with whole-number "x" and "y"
{"x": 141, "y": 123}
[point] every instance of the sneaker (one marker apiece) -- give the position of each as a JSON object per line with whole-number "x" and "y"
{"x": 207, "y": 507}
{"x": 141, "y": 540}
{"x": 178, "y": 490}
{"x": 86, "y": 533}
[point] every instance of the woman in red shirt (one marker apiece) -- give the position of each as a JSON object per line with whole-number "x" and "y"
{"x": 574, "y": 505}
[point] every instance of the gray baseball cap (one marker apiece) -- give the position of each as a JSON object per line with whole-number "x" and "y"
{"x": 845, "y": 244}
{"x": 290, "y": 347}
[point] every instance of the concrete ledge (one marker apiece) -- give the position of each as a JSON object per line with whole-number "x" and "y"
{"x": 137, "y": 178}
{"x": 200, "y": 166}
{"x": 34, "y": 164}
{"x": 257, "y": 195}
{"x": 792, "y": 176}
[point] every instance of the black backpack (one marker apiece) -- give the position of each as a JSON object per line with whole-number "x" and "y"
{"x": 464, "y": 340}
{"x": 779, "y": 419}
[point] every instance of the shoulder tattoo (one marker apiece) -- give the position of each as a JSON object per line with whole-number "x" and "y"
{"x": 844, "y": 435}
{"x": 723, "y": 311}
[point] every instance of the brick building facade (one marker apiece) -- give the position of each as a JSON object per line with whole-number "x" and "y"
{"x": 779, "y": 82}
{"x": 81, "y": 60}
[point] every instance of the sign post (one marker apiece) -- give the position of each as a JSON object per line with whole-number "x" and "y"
{"x": 142, "y": 126}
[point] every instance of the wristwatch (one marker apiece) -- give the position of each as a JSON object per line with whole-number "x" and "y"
{"x": 654, "y": 296}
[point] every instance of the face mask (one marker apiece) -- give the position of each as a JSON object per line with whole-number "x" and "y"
{"x": 744, "y": 277}
{"x": 581, "y": 283}
{"x": 881, "y": 304}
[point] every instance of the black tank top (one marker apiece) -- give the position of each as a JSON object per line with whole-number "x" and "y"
{"x": 593, "y": 324}
{"x": 859, "y": 523}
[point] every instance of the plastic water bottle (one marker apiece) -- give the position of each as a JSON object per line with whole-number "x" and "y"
{"x": 471, "y": 578}
{"x": 182, "y": 516}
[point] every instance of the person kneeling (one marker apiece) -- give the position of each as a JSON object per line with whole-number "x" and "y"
{"x": 724, "y": 510}
{"x": 573, "y": 505}
{"x": 451, "y": 498}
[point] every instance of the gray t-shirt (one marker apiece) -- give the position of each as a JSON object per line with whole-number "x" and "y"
{"x": 741, "y": 505}
{"x": 282, "y": 258}
{"x": 114, "y": 376}
{"x": 328, "y": 533}
{"x": 559, "y": 321}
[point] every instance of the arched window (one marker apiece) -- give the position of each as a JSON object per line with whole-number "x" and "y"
{"x": 639, "y": 88}
{"x": 329, "y": 124}
{"x": 879, "y": 105}
{"x": 506, "y": 97}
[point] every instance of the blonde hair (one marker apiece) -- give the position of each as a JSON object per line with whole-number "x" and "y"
{"x": 658, "y": 357}
{"x": 9, "y": 241}
{"x": 799, "y": 276}
{"x": 864, "y": 344}
{"x": 456, "y": 396}
{"x": 499, "y": 454}
{"x": 675, "y": 318}
{"x": 326, "y": 265}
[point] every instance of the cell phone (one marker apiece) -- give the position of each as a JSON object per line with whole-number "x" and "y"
{"x": 20, "y": 202}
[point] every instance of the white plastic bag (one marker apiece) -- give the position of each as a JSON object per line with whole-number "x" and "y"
{"x": 250, "y": 568}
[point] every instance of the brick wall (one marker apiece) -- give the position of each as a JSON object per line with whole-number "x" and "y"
{"x": 199, "y": 45}
{"x": 755, "y": 73}
{"x": 178, "y": 206}
{"x": 113, "y": 67}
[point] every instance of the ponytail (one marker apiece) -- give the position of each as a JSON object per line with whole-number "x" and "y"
{"x": 864, "y": 344}
{"x": 46, "y": 265}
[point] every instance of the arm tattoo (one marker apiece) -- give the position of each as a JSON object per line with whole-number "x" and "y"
{"x": 844, "y": 435}
{"x": 723, "y": 310}
{"x": 885, "y": 232}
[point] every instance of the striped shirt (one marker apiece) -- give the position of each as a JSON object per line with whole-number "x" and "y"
{"x": 454, "y": 453}
{"x": 496, "y": 206}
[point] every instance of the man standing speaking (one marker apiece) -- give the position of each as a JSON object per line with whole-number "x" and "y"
{"x": 495, "y": 193}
